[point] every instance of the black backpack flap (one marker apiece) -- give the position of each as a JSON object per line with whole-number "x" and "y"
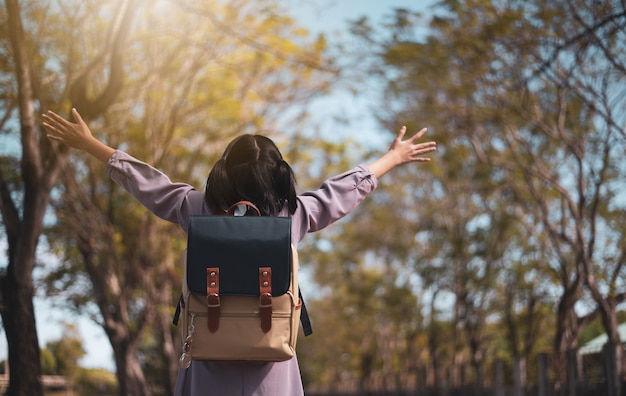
{"x": 239, "y": 246}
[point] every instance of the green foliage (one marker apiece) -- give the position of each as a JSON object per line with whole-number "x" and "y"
{"x": 61, "y": 357}
{"x": 96, "y": 382}
{"x": 367, "y": 323}
{"x": 48, "y": 362}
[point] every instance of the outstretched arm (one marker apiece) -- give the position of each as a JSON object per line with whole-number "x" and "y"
{"x": 402, "y": 152}
{"x": 171, "y": 201}
{"x": 76, "y": 135}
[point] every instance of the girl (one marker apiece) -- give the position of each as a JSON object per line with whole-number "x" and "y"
{"x": 252, "y": 169}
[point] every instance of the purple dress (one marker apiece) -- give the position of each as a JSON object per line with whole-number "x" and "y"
{"x": 174, "y": 202}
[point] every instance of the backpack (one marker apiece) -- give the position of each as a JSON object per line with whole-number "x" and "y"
{"x": 240, "y": 299}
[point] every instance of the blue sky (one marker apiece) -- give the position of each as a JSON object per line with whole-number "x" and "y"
{"x": 332, "y": 17}
{"x": 329, "y": 16}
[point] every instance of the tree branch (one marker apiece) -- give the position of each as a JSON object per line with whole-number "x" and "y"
{"x": 90, "y": 108}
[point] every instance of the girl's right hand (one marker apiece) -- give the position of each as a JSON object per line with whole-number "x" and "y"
{"x": 76, "y": 135}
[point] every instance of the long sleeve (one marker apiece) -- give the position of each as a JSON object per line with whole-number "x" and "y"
{"x": 170, "y": 201}
{"x": 175, "y": 202}
{"x": 337, "y": 197}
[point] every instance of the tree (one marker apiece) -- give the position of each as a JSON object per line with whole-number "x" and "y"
{"x": 363, "y": 303}
{"x": 534, "y": 90}
{"x": 67, "y": 351}
{"x": 456, "y": 215}
{"x": 61, "y": 357}
{"x": 22, "y": 224}
{"x": 25, "y": 195}
{"x": 587, "y": 60}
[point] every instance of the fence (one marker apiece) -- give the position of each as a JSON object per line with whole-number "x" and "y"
{"x": 49, "y": 382}
{"x": 589, "y": 375}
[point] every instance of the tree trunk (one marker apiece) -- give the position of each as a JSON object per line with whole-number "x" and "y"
{"x": 477, "y": 358}
{"x": 172, "y": 348}
{"x": 498, "y": 378}
{"x": 610, "y": 353}
{"x": 19, "y": 325}
{"x": 518, "y": 382}
{"x": 117, "y": 326}
{"x": 543, "y": 381}
{"x": 607, "y": 308}
{"x": 129, "y": 372}
{"x": 566, "y": 332}
{"x": 16, "y": 284}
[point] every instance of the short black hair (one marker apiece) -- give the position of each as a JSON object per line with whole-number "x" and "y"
{"x": 252, "y": 169}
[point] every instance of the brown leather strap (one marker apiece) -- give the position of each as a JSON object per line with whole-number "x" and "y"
{"x": 213, "y": 298}
{"x": 231, "y": 210}
{"x": 265, "y": 298}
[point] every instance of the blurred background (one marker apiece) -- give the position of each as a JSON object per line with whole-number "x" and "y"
{"x": 497, "y": 267}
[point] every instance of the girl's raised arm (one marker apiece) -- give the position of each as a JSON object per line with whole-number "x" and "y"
{"x": 402, "y": 152}
{"x": 76, "y": 135}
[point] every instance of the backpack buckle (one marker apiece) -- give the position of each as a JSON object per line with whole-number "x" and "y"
{"x": 213, "y": 298}
{"x": 265, "y": 298}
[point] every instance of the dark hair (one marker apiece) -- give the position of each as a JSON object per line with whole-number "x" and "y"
{"x": 252, "y": 169}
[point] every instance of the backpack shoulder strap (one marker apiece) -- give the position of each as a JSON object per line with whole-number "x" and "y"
{"x": 304, "y": 317}
{"x": 179, "y": 307}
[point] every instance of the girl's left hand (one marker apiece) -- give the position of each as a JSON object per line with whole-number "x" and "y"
{"x": 410, "y": 151}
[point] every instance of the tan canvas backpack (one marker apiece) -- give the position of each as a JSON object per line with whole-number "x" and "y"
{"x": 241, "y": 299}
